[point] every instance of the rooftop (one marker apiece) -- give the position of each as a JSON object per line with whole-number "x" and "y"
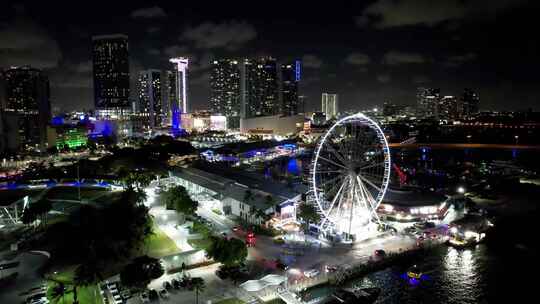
{"x": 235, "y": 184}
{"x": 412, "y": 197}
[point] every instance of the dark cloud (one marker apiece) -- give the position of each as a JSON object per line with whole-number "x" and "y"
{"x": 149, "y": 13}
{"x": 23, "y": 42}
{"x": 397, "y": 58}
{"x": 228, "y": 35}
{"x": 357, "y": 59}
{"x": 72, "y": 75}
{"x": 384, "y": 78}
{"x": 311, "y": 62}
{"x": 153, "y": 29}
{"x": 457, "y": 60}
{"x": 419, "y": 79}
{"x": 396, "y": 13}
{"x": 176, "y": 51}
{"x": 153, "y": 51}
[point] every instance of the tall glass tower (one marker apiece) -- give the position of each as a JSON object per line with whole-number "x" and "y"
{"x": 111, "y": 74}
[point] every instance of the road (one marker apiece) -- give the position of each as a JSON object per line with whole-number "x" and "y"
{"x": 463, "y": 146}
{"x": 27, "y": 278}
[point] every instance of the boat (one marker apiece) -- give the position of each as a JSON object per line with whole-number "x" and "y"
{"x": 356, "y": 295}
{"x": 414, "y": 273}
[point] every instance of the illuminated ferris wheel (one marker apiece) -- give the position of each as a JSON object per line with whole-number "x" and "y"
{"x": 350, "y": 175}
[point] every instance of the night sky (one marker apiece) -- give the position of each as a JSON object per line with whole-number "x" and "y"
{"x": 368, "y": 52}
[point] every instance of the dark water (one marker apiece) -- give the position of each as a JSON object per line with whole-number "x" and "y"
{"x": 475, "y": 275}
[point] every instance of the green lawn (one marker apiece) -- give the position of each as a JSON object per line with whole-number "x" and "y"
{"x": 85, "y": 294}
{"x": 200, "y": 243}
{"x": 230, "y": 301}
{"x": 159, "y": 244}
{"x": 201, "y": 229}
{"x": 71, "y": 193}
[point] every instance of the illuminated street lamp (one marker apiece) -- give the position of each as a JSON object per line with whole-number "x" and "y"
{"x": 460, "y": 190}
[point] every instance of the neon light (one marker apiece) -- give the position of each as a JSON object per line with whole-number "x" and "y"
{"x": 181, "y": 80}
{"x": 297, "y": 70}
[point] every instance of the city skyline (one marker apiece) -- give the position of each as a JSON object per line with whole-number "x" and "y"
{"x": 366, "y": 59}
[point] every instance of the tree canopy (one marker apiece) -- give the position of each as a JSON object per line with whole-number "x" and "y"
{"x": 177, "y": 198}
{"x": 34, "y": 210}
{"x": 91, "y": 233}
{"x": 309, "y": 213}
{"x": 141, "y": 271}
{"x": 228, "y": 251}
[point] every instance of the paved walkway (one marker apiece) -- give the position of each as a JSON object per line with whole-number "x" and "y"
{"x": 28, "y": 277}
{"x": 167, "y": 221}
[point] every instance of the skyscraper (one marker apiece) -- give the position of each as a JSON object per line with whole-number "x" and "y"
{"x": 469, "y": 103}
{"x": 225, "y": 89}
{"x": 111, "y": 74}
{"x": 168, "y": 90}
{"x": 428, "y": 102}
{"x": 26, "y": 101}
{"x": 290, "y": 78}
{"x": 448, "y": 108}
{"x": 150, "y": 97}
{"x": 259, "y": 87}
{"x": 181, "y": 70}
{"x": 329, "y": 105}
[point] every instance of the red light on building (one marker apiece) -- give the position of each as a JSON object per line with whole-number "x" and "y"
{"x": 250, "y": 239}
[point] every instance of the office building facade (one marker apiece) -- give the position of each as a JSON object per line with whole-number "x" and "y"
{"x": 428, "y": 100}
{"x": 110, "y": 54}
{"x": 225, "y": 96}
{"x": 259, "y": 87}
{"x": 150, "y": 103}
{"x": 290, "y": 79}
{"x": 448, "y": 108}
{"x": 469, "y": 102}
{"x": 26, "y": 107}
{"x": 181, "y": 65}
{"x": 329, "y": 105}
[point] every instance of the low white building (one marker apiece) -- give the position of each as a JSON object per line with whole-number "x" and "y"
{"x": 272, "y": 125}
{"x": 254, "y": 203}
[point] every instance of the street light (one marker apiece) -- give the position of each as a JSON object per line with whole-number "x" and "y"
{"x": 461, "y": 190}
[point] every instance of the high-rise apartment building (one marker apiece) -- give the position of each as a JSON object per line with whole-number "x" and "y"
{"x": 469, "y": 103}
{"x": 150, "y": 103}
{"x": 26, "y": 106}
{"x": 428, "y": 102}
{"x": 225, "y": 90}
{"x": 110, "y": 54}
{"x": 181, "y": 69}
{"x": 259, "y": 87}
{"x": 290, "y": 78}
{"x": 329, "y": 105}
{"x": 448, "y": 108}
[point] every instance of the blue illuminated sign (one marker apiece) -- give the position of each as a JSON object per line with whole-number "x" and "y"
{"x": 297, "y": 70}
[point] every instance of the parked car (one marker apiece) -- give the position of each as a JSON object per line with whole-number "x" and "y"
{"x": 144, "y": 297}
{"x": 164, "y": 294}
{"x": 311, "y": 273}
{"x": 167, "y": 285}
{"x": 380, "y": 252}
{"x": 35, "y": 297}
{"x": 153, "y": 295}
{"x": 331, "y": 268}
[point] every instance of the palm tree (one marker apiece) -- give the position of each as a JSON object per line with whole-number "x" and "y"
{"x": 260, "y": 214}
{"x": 248, "y": 195}
{"x": 87, "y": 274}
{"x": 58, "y": 291}
{"x": 198, "y": 285}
